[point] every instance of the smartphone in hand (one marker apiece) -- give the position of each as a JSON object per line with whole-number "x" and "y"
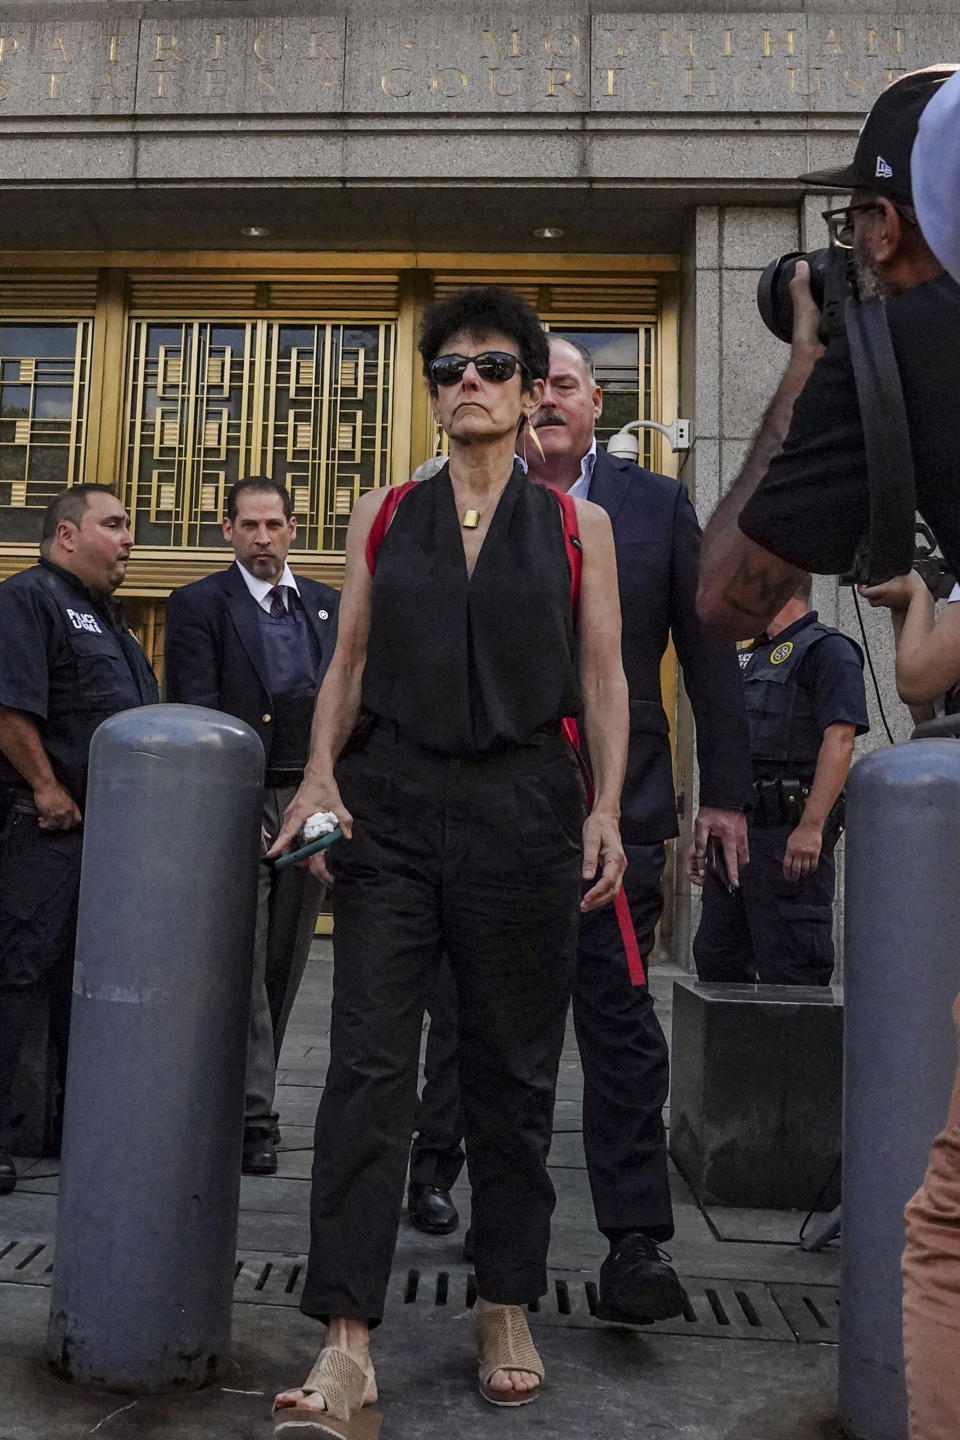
{"x": 717, "y": 865}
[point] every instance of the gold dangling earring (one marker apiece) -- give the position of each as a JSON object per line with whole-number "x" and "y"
{"x": 439, "y": 441}
{"x": 534, "y": 437}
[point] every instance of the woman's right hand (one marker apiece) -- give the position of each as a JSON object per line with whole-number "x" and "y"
{"x": 317, "y": 792}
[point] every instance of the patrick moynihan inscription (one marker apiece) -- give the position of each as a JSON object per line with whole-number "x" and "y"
{"x": 396, "y": 64}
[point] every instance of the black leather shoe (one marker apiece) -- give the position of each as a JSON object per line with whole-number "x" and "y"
{"x": 275, "y": 1135}
{"x": 637, "y": 1285}
{"x": 8, "y": 1173}
{"x": 259, "y": 1156}
{"x": 432, "y": 1210}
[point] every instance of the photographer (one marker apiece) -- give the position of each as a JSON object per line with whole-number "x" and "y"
{"x": 802, "y": 500}
{"x": 928, "y": 650}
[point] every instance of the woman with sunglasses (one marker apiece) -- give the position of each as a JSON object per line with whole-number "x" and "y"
{"x": 460, "y": 652}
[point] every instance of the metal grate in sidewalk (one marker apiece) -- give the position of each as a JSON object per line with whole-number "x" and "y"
{"x": 25, "y": 1262}
{"x": 717, "y": 1309}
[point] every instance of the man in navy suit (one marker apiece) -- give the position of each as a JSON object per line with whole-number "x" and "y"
{"x": 255, "y": 641}
{"x": 622, "y": 1047}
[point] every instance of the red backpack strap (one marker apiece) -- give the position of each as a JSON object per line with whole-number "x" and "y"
{"x": 571, "y": 540}
{"x": 384, "y": 516}
{"x": 621, "y": 906}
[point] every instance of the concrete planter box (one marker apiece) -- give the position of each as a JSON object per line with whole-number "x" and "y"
{"x": 755, "y": 1108}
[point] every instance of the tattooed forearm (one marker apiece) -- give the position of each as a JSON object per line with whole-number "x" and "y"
{"x": 742, "y": 586}
{"x": 758, "y": 589}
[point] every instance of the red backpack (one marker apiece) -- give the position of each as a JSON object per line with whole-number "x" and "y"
{"x": 574, "y": 549}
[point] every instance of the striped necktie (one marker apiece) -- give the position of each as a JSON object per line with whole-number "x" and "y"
{"x": 278, "y": 606}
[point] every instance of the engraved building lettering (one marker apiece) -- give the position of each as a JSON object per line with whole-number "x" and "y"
{"x": 565, "y": 45}
{"x": 669, "y": 41}
{"x": 390, "y": 84}
{"x": 509, "y": 47}
{"x": 770, "y": 40}
{"x": 167, "y": 47}
{"x": 495, "y": 84}
{"x": 449, "y": 81}
{"x": 874, "y": 38}
{"x": 564, "y": 83}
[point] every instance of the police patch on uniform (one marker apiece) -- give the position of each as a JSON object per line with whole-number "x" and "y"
{"x": 782, "y": 652}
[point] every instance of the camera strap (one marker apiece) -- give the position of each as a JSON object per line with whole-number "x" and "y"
{"x": 888, "y": 548}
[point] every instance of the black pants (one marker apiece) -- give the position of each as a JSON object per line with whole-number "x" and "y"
{"x": 626, "y": 1070}
{"x": 777, "y": 931}
{"x": 437, "y": 1155}
{"x": 479, "y": 859}
{"x": 39, "y": 881}
{"x": 626, "y": 1064}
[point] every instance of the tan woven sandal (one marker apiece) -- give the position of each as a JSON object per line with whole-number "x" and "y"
{"x": 343, "y": 1383}
{"x": 504, "y": 1343}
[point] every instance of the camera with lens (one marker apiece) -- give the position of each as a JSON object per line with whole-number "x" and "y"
{"x": 832, "y": 283}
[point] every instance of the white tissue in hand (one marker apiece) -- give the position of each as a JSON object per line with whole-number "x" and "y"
{"x": 322, "y": 823}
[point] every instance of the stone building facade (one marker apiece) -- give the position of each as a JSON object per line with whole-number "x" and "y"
{"x": 220, "y": 220}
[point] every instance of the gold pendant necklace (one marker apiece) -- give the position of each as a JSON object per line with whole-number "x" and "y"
{"x": 471, "y": 518}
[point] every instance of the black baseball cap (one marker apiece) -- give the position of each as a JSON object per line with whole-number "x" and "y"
{"x": 882, "y": 159}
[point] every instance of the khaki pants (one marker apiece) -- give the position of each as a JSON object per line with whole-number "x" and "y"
{"x": 931, "y": 1286}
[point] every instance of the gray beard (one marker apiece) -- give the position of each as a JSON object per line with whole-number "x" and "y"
{"x": 871, "y": 285}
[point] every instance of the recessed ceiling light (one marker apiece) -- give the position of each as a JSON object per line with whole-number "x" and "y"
{"x": 255, "y": 232}
{"x": 549, "y": 232}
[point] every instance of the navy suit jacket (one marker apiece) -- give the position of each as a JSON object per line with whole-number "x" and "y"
{"x": 657, "y": 538}
{"x": 213, "y": 649}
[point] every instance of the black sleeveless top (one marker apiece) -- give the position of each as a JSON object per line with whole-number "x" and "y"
{"x": 463, "y": 664}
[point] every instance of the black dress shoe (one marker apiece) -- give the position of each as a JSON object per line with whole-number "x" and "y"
{"x": 259, "y": 1156}
{"x": 8, "y": 1173}
{"x": 637, "y": 1285}
{"x": 432, "y": 1210}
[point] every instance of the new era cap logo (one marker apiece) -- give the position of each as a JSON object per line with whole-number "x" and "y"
{"x": 883, "y": 171}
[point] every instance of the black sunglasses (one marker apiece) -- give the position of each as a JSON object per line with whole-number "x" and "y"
{"x": 496, "y": 365}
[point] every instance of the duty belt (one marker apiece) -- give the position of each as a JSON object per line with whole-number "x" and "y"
{"x": 781, "y": 802}
{"x": 778, "y": 801}
{"x": 19, "y": 801}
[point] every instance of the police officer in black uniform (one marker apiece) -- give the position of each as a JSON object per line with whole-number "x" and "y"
{"x": 67, "y": 662}
{"x": 803, "y": 684}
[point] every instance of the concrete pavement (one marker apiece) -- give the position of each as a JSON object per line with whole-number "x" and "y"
{"x": 754, "y": 1358}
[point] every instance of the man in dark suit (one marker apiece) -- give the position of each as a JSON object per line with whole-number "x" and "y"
{"x": 622, "y": 1047}
{"x": 255, "y": 641}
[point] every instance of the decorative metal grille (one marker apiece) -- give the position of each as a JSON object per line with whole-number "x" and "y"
{"x": 189, "y": 426}
{"x": 327, "y": 420}
{"x": 43, "y": 418}
{"x": 307, "y": 403}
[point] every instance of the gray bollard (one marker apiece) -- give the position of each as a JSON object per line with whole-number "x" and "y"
{"x": 902, "y": 976}
{"x": 147, "y": 1222}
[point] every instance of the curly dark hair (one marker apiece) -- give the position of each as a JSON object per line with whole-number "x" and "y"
{"x": 487, "y": 310}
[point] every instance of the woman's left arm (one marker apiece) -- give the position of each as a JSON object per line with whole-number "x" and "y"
{"x": 606, "y": 711}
